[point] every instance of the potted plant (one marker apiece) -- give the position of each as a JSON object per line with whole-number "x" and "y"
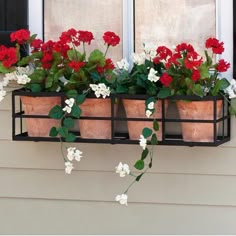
{"x": 187, "y": 73}
{"x": 141, "y": 81}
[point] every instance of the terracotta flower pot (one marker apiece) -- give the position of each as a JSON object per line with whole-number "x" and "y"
{"x": 96, "y": 129}
{"x": 136, "y": 109}
{"x": 39, "y": 127}
{"x": 198, "y": 110}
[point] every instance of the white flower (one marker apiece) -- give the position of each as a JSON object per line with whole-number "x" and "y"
{"x": 150, "y": 50}
{"x": 148, "y": 113}
{"x": 123, "y": 64}
{"x": 100, "y": 90}
{"x": 23, "y": 79}
{"x": 68, "y": 167}
{"x": 70, "y": 102}
{"x": 78, "y": 155}
{"x": 122, "y": 169}
{"x": 143, "y": 142}
{"x": 152, "y": 75}
{"x": 73, "y": 153}
{"x": 67, "y": 109}
{"x": 151, "y": 105}
{"x": 2, "y": 94}
{"x": 231, "y": 89}
{"x": 138, "y": 59}
{"x": 28, "y": 70}
{"x": 122, "y": 199}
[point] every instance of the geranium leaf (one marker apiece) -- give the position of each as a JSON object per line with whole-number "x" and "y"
{"x": 144, "y": 153}
{"x": 139, "y": 165}
{"x": 56, "y": 112}
{"x": 147, "y": 132}
{"x": 224, "y": 83}
{"x": 70, "y": 137}
{"x": 155, "y": 125}
{"x": 35, "y": 88}
{"x": 53, "y": 132}
{"x": 96, "y": 57}
{"x": 154, "y": 140}
{"x": 164, "y": 93}
{"x": 68, "y": 122}
{"x": 232, "y": 108}
{"x": 72, "y": 93}
{"x": 76, "y": 111}
{"x": 80, "y": 99}
{"x": 197, "y": 90}
{"x": 63, "y": 131}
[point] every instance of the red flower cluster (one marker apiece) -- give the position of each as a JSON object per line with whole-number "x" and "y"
{"x": 111, "y": 38}
{"x": 20, "y": 36}
{"x": 76, "y": 65}
{"x": 166, "y": 80}
{"x": 108, "y": 66}
{"x": 8, "y": 56}
{"x": 216, "y": 46}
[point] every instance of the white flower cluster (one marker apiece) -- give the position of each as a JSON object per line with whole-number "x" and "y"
{"x": 21, "y": 75}
{"x": 150, "y": 50}
{"x": 70, "y": 103}
{"x": 72, "y": 154}
{"x": 123, "y": 64}
{"x": 152, "y": 75}
{"x": 122, "y": 169}
{"x": 138, "y": 59}
{"x": 231, "y": 89}
{"x": 150, "y": 109}
{"x": 100, "y": 90}
{"x": 143, "y": 142}
{"x": 122, "y": 199}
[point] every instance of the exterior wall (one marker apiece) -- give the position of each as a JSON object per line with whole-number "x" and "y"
{"x": 189, "y": 190}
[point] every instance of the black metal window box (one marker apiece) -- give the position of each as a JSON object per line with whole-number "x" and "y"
{"x": 170, "y": 121}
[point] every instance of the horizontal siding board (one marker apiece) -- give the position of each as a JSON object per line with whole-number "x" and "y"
{"x": 28, "y": 217}
{"x": 104, "y": 157}
{"x": 104, "y": 186}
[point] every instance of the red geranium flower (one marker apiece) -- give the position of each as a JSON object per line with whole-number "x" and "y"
{"x": 216, "y": 46}
{"x": 222, "y": 66}
{"x": 196, "y": 75}
{"x": 166, "y": 79}
{"x": 8, "y": 56}
{"x": 111, "y": 38}
{"x": 76, "y": 65}
{"x": 20, "y": 36}
{"x": 85, "y": 36}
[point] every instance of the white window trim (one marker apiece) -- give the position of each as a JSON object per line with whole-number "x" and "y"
{"x": 224, "y": 26}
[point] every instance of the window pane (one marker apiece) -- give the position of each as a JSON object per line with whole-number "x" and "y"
{"x": 168, "y": 22}
{"x": 95, "y": 16}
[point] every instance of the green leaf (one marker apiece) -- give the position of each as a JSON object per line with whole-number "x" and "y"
{"x": 139, "y": 165}
{"x": 3, "y": 69}
{"x": 53, "y": 132}
{"x": 56, "y": 112}
{"x": 204, "y": 71}
{"x": 147, "y": 132}
{"x": 35, "y": 88}
{"x": 144, "y": 153}
{"x": 76, "y": 111}
{"x": 154, "y": 140}
{"x": 96, "y": 57}
{"x": 81, "y": 98}
{"x": 139, "y": 177}
{"x": 197, "y": 90}
{"x": 70, "y": 137}
{"x": 164, "y": 93}
{"x": 72, "y": 93}
{"x": 63, "y": 131}
{"x": 68, "y": 122}
{"x": 155, "y": 125}
{"x": 74, "y": 55}
{"x": 232, "y": 108}
{"x": 49, "y": 81}
{"x": 224, "y": 83}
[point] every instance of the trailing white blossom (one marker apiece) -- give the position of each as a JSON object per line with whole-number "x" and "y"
{"x": 231, "y": 89}
{"x": 138, "y": 59}
{"x": 100, "y": 90}
{"x": 123, "y": 64}
{"x": 23, "y": 79}
{"x": 148, "y": 113}
{"x": 74, "y": 154}
{"x": 70, "y": 103}
{"x": 143, "y": 142}
{"x": 122, "y": 169}
{"x": 151, "y": 105}
{"x": 68, "y": 167}
{"x": 123, "y": 198}
{"x": 152, "y": 75}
